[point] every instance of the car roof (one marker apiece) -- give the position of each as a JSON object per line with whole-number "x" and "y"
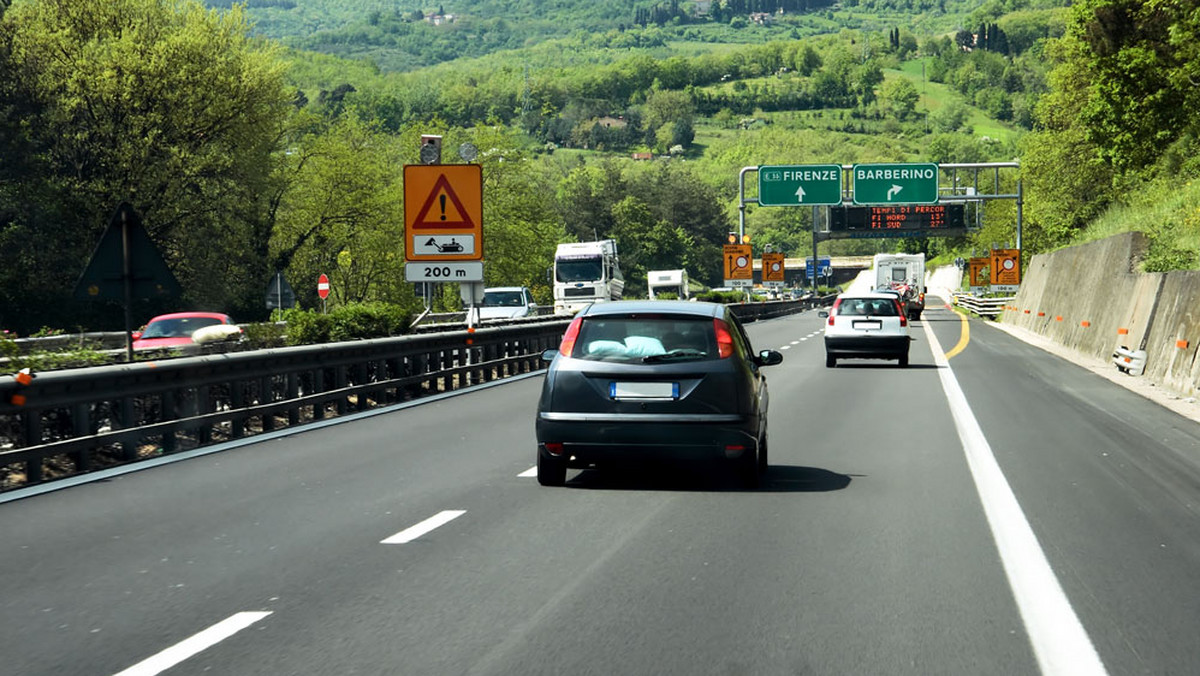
{"x": 185, "y": 315}
{"x": 869, "y": 294}
{"x": 678, "y": 307}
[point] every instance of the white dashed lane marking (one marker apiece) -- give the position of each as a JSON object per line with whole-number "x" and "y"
{"x": 156, "y": 664}
{"x": 413, "y": 532}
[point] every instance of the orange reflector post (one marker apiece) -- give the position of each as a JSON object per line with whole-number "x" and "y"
{"x": 1041, "y": 314}
{"x": 24, "y": 377}
{"x": 1027, "y": 312}
{"x": 1182, "y": 344}
{"x": 17, "y": 400}
{"x": 1085, "y": 323}
{"x": 1122, "y": 332}
{"x": 1058, "y": 318}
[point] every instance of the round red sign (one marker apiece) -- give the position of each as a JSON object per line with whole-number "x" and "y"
{"x": 323, "y": 286}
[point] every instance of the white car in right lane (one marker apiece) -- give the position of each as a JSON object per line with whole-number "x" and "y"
{"x": 866, "y": 326}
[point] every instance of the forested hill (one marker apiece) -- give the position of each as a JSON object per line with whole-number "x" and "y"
{"x": 409, "y": 34}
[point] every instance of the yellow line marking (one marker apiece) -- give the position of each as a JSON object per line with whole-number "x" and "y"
{"x": 963, "y": 339}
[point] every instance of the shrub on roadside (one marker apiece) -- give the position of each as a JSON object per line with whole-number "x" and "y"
{"x": 368, "y": 320}
{"x": 307, "y": 327}
{"x": 348, "y": 322}
{"x": 722, "y": 296}
{"x": 263, "y": 336}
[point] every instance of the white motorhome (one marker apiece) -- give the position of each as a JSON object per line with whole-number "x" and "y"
{"x": 905, "y": 273}
{"x": 671, "y": 281}
{"x": 586, "y": 273}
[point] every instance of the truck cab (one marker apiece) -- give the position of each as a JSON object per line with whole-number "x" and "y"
{"x": 586, "y": 273}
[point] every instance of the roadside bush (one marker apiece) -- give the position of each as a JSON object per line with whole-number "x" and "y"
{"x": 307, "y": 327}
{"x": 263, "y": 336}
{"x": 722, "y": 296}
{"x": 348, "y": 322}
{"x": 368, "y": 320}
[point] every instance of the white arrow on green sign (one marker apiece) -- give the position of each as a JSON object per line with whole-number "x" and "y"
{"x": 799, "y": 185}
{"x": 895, "y": 183}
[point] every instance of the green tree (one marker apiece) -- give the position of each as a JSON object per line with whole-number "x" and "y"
{"x": 341, "y": 212}
{"x": 1140, "y": 62}
{"x": 167, "y": 105}
{"x": 898, "y": 97}
{"x": 949, "y": 118}
{"x": 665, "y": 106}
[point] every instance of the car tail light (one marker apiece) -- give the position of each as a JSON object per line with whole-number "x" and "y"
{"x": 903, "y": 317}
{"x": 724, "y": 338}
{"x": 833, "y": 310}
{"x": 554, "y": 447}
{"x": 734, "y": 450}
{"x": 568, "y": 341}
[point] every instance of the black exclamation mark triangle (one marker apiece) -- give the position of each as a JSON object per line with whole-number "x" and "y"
{"x": 442, "y": 191}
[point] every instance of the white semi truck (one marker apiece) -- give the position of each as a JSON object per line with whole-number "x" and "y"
{"x": 670, "y": 281}
{"x": 905, "y": 273}
{"x": 585, "y": 273}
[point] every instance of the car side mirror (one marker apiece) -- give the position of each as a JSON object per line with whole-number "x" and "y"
{"x": 769, "y": 358}
{"x": 823, "y": 314}
{"x": 549, "y": 355}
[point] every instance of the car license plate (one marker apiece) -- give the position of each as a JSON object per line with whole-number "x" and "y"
{"x": 868, "y": 325}
{"x": 643, "y": 390}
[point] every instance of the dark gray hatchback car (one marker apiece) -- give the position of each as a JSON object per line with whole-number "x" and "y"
{"x": 654, "y": 380}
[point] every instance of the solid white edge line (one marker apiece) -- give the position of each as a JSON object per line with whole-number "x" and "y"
{"x": 413, "y": 532}
{"x": 191, "y": 646}
{"x": 1060, "y": 643}
{"x": 531, "y": 472}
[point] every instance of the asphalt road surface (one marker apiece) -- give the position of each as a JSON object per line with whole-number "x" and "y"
{"x": 1003, "y": 512}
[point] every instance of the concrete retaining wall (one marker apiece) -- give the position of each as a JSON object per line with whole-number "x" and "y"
{"x": 1088, "y": 298}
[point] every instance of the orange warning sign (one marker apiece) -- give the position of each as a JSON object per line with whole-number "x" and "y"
{"x": 737, "y": 261}
{"x": 443, "y": 199}
{"x": 772, "y": 267}
{"x": 1006, "y": 266}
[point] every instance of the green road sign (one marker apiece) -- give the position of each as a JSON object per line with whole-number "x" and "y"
{"x": 895, "y": 183}
{"x": 800, "y": 185}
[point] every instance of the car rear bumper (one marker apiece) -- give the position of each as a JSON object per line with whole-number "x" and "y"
{"x": 866, "y": 345}
{"x": 601, "y": 437}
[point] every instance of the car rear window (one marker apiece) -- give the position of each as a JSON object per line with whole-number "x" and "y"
{"x": 503, "y": 299}
{"x": 863, "y": 307}
{"x": 178, "y": 328}
{"x": 646, "y": 338}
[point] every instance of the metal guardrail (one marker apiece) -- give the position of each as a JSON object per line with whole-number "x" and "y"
{"x": 984, "y": 307}
{"x": 79, "y": 420}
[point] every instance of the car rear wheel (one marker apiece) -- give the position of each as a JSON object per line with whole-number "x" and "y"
{"x": 748, "y": 469}
{"x": 551, "y": 471}
{"x": 762, "y": 454}
{"x": 830, "y": 361}
{"x": 904, "y": 361}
